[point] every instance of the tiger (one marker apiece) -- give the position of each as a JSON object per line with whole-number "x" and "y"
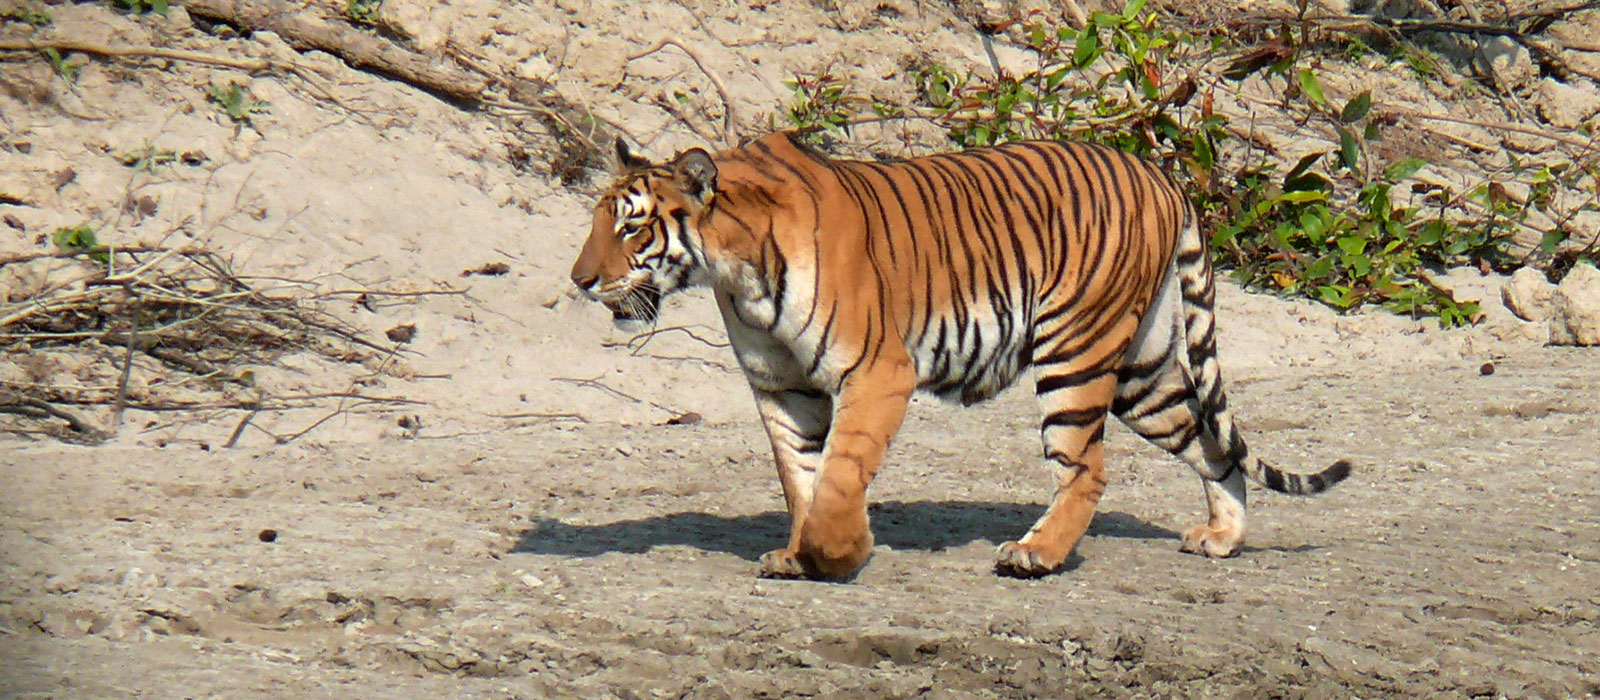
{"x": 848, "y": 285}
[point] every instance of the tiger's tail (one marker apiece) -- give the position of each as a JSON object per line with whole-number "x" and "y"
{"x": 1192, "y": 266}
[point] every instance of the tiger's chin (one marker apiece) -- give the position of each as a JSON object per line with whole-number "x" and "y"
{"x": 638, "y": 309}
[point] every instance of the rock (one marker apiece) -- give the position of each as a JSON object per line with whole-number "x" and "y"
{"x": 600, "y": 61}
{"x": 1528, "y": 295}
{"x": 415, "y": 20}
{"x": 1575, "y": 308}
{"x": 1509, "y": 61}
{"x": 1577, "y": 28}
{"x": 1564, "y": 105}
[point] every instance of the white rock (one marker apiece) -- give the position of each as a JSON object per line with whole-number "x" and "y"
{"x": 1509, "y": 61}
{"x": 1528, "y": 295}
{"x": 1575, "y": 317}
{"x": 600, "y": 61}
{"x": 1564, "y": 105}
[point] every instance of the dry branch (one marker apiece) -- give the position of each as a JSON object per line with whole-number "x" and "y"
{"x": 729, "y": 122}
{"x": 182, "y": 306}
{"x": 310, "y": 31}
{"x": 245, "y": 64}
{"x": 37, "y": 408}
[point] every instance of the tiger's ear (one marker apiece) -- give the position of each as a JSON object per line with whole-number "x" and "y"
{"x": 697, "y": 175}
{"x": 627, "y": 161}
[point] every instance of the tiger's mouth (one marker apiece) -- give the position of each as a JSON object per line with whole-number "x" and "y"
{"x": 640, "y": 305}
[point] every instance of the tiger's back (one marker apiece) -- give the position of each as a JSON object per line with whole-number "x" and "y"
{"x": 847, "y": 284}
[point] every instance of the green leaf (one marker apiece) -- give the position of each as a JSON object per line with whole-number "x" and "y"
{"x": 1203, "y": 152}
{"x": 1353, "y": 245}
{"x": 1311, "y": 224}
{"x": 1360, "y": 265}
{"x": 1333, "y": 295}
{"x": 1312, "y": 88}
{"x": 1053, "y": 80}
{"x": 1088, "y": 47}
{"x": 77, "y": 239}
{"x": 1303, "y": 196}
{"x": 1356, "y": 108}
{"x": 1349, "y": 150}
{"x": 1304, "y": 164}
{"x": 1402, "y": 169}
{"x": 1320, "y": 268}
{"x": 1132, "y": 9}
{"x": 1552, "y": 239}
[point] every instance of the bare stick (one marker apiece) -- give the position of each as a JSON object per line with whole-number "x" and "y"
{"x": 1504, "y": 126}
{"x": 1074, "y": 14}
{"x": 308, "y": 30}
{"x": 125, "y": 51}
{"x": 238, "y": 430}
{"x": 545, "y": 416}
{"x": 122, "y": 384}
{"x": 728, "y": 121}
{"x": 383, "y": 293}
{"x": 38, "y": 408}
{"x": 84, "y": 252}
{"x": 642, "y": 338}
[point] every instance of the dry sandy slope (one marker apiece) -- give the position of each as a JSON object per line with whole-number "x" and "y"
{"x": 492, "y": 558}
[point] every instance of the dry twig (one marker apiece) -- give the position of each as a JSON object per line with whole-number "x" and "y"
{"x": 309, "y": 30}
{"x": 729, "y": 122}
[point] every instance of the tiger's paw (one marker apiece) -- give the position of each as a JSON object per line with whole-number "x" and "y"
{"x": 781, "y": 563}
{"x": 1026, "y": 560}
{"x": 835, "y": 545}
{"x": 1217, "y": 543}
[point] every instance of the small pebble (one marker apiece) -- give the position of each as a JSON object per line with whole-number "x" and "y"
{"x": 268, "y": 535}
{"x": 1487, "y": 369}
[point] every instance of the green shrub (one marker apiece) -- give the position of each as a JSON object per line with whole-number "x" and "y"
{"x": 1327, "y": 226}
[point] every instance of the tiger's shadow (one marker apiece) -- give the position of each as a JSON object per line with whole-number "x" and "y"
{"x": 918, "y": 525}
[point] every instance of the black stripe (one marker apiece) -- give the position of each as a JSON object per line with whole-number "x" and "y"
{"x": 1076, "y": 417}
{"x": 1081, "y": 377}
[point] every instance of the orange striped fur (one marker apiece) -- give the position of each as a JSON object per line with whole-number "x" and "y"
{"x": 847, "y": 285}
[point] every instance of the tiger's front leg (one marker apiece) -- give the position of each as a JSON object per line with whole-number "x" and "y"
{"x": 1076, "y": 401}
{"x": 797, "y": 423}
{"x": 834, "y": 539}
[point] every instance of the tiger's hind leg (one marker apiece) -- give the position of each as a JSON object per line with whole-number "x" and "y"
{"x": 1158, "y": 399}
{"x": 1161, "y": 407}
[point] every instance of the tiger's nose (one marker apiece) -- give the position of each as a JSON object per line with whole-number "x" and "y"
{"x": 585, "y": 282}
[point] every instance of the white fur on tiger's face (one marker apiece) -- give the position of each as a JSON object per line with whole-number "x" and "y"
{"x": 641, "y": 246}
{"x": 848, "y": 285}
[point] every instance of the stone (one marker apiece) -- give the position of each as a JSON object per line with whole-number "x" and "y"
{"x": 1528, "y": 295}
{"x": 1564, "y": 105}
{"x": 1575, "y": 308}
{"x": 1509, "y": 61}
{"x": 600, "y": 61}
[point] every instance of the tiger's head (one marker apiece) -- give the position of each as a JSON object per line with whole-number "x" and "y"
{"x": 644, "y": 242}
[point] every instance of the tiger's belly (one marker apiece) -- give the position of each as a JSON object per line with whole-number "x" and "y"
{"x": 971, "y": 357}
{"x": 964, "y": 357}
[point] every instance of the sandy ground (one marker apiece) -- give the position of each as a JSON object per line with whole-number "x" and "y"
{"x": 618, "y": 561}
{"x": 584, "y": 548}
